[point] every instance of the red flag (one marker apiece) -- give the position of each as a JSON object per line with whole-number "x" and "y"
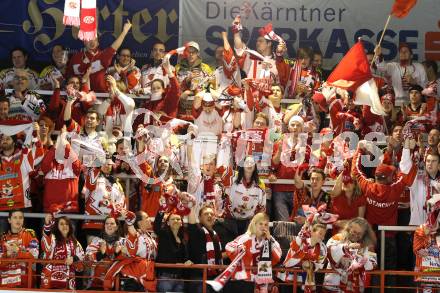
{"x": 352, "y": 71}
{"x": 401, "y": 8}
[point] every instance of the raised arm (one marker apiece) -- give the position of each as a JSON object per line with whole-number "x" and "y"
{"x": 118, "y": 42}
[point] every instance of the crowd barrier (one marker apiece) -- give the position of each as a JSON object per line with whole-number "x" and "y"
{"x": 379, "y": 284}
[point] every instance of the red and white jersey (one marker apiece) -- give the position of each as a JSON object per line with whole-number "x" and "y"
{"x": 344, "y": 261}
{"x": 101, "y": 196}
{"x": 150, "y": 73}
{"x": 14, "y": 177}
{"x": 59, "y": 275}
{"x": 244, "y": 202}
{"x": 98, "y": 61}
{"x": 254, "y": 67}
{"x": 229, "y": 73}
{"x": 275, "y": 117}
{"x": 211, "y": 123}
{"x": 207, "y": 192}
{"x": 253, "y": 248}
{"x": 142, "y": 245}
{"x": 60, "y": 181}
{"x": 15, "y": 274}
{"x": 119, "y": 114}
{"x": 130, "y": 76}
{"x": 422, "y": 188}
{"x": 99, "y": 268}
{"x": 301, "y": 249}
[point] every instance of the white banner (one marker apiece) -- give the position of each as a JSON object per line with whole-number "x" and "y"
{"x": 328, "y": 26}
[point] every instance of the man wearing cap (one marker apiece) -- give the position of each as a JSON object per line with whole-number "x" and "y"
{"x": 96, "y": 59}
{"x": 192, "y": 75}
{"x": 416, "y": 106}
{"x": 311, "y": 110}
{"x": 289, "y": 154}
{"x": 404, "y": 73}
{"x": 192, "y": 67}
{"x": 207, "y": 114}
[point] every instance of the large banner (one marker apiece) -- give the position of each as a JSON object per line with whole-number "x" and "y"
{"x": 328, "y": 26}
{"x": 36, "y": 25}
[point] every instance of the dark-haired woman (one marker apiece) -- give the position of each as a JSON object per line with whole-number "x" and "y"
{"x": 102, "y": 250}
{"x": 139, "y": 251}
{"x": 244, "y": 199}
{"x": 172, "y": 248}
{"x": 59, "y": 243}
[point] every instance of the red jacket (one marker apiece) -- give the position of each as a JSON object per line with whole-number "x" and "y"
{"x": 382, "y": 200}
{"x": 61, "y": 182}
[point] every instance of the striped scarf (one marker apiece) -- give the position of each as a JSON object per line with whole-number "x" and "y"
{"x": 210, "y": 251}
{"x": 295, "y": 74}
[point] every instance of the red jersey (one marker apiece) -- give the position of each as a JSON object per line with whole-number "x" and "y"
{"x": 61, "y": 182}
{"x": 14, "y": 275}
{"x": 382, "y": 200}
{"x": 98, "y": 61}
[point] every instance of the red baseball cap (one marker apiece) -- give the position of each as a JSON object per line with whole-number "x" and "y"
{"x": 320, "y": 100}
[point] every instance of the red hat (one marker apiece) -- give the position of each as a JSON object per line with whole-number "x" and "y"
{"x": 320, "y": 100}
{"x": 384, "y": 171}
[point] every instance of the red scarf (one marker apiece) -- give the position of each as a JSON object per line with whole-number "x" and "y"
{"x": 87, "y": 28}
{"x": 210, "y": 251}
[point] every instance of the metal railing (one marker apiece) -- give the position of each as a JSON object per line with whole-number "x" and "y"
{"x": 382, "y": 230}
{"x": 31, "y": 276}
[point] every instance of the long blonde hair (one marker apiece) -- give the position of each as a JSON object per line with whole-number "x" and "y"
{"x": 369, "y": 237}
{"x": 252, "y": 228}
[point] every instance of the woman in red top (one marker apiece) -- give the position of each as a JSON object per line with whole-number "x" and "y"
{"x": 347, "y": 199}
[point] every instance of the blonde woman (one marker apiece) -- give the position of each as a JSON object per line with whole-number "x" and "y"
{"x": 351, "y": 253}
{"x": 261, "y": 250}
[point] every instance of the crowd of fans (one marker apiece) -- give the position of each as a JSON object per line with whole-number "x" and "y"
{"x": 197, "y": 141}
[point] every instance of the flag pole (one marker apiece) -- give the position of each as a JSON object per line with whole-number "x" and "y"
{"x": 381, "y": 37}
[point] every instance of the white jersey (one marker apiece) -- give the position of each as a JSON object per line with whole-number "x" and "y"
{"x": 243, "y": 203}
{"x": 341, "y": 259}
{"x": 211, "y": 123}
{"x": 254, "y": 66}
{"x": 396, "y": 72}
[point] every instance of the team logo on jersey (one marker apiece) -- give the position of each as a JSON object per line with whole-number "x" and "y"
{"x": 10, "y": 203}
